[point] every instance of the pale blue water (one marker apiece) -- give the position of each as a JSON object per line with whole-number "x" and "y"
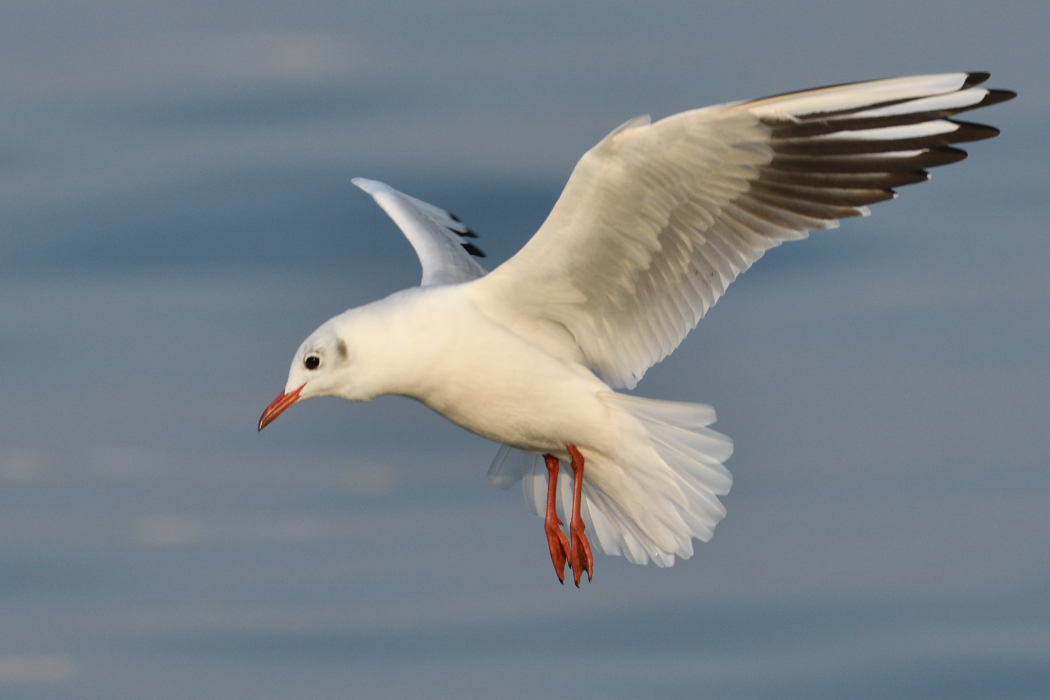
{"x": 176, "y": 215}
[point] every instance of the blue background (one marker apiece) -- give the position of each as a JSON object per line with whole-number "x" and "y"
{"x": 176, "y": 215}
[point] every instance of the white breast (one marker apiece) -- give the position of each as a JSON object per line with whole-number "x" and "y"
{"x": 432, "y": 344}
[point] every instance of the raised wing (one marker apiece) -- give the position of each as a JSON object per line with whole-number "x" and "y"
{"x": 658, "y": 219}
{"x": 439, "y": 238}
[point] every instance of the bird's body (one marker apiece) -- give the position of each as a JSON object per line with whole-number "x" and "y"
{"x": 471, "y": 369}
{"x": 434, "y": 344}
{"x": 655, "y": 222}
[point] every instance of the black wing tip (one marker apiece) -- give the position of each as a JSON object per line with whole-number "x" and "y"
{"x": 945, "y": 155}
{"x": 473, "y": 250}
{"x": 467, "y": 232}
{"x": 994, "y": 97}
{"x": 969, "y": 131}
{"x": 462, "y": 229}
{"x": 975, "y": 78}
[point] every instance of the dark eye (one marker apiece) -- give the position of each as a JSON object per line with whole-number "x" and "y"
{"x": 312, "y": 362}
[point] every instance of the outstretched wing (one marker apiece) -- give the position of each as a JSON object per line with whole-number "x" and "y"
{"x": 658, "y": 219}
{"x": 440, "y": 239}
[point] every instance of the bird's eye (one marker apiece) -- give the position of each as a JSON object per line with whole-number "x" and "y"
{"x": 312, "y": 362}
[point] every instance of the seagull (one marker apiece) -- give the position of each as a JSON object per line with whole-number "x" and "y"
{"x": 654, "y": 223}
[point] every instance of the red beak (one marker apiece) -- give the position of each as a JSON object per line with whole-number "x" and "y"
{"x": 275, "y": 409}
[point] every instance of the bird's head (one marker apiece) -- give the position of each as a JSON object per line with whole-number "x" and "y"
{"x": 321, "y": 367}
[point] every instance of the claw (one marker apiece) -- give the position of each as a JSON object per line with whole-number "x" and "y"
{"x": 556, "y": 540}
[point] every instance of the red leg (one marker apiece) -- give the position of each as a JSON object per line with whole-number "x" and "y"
{"x": 556, "y": 540}
{"x": 580, "y": 558}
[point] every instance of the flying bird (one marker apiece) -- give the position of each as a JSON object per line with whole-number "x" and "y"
{"x": 654, "y": 223}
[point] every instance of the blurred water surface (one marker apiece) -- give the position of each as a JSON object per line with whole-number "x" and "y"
{"x": 176, "y": 215}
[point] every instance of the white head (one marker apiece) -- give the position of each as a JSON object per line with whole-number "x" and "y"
{"x": 349, "y": 357}
{"x": 324, "y": 365}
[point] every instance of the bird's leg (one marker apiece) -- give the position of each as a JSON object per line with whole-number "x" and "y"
{"x": 556, "y": 540}
{"x": 580, "y": 558}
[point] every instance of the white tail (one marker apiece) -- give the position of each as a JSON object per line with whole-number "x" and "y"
{"x": 655, "y": 496}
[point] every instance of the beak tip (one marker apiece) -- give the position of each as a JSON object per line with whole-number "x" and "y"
{"x": 275, "y": 409}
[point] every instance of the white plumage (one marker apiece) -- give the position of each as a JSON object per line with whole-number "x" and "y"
{"x": 654, "y": 223}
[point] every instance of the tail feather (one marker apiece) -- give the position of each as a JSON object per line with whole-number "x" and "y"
{"x": 658, "y": 492}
